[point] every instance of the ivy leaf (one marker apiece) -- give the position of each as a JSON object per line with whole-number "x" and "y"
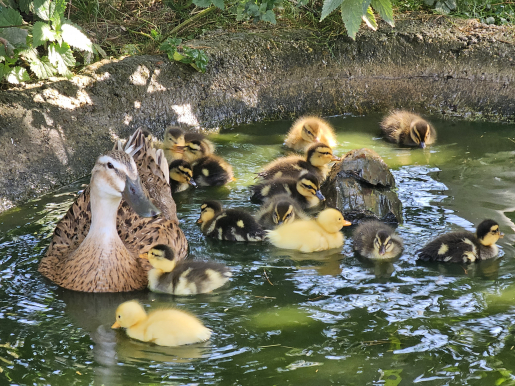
{"x": 61, "y": 56}
{"x": 370, "y": 19}
{"x": 203, "y": 3}
{"x": 16, "y": 37}
{"x": 76, "y": 38}
{"x": 352, "y": 12}
{"x": 329, "y": 6}
{"x": 269, "y": 16}
{"x": 384, "y": 9}
{"x": 42, "y": 33}
{"x": 17, "y": 75}
{"x": 9, "y": 16}
{"x": 219, "y": 4}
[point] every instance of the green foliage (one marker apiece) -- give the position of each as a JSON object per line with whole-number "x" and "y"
{"x": 26, "y": 44}
{"x": 442, "y": 6}
{"x": 194, "y": 57}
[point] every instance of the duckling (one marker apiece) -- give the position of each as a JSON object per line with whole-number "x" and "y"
{"x": 317, "y": 157}
{"x": 230, "y": 224}
{"x": 212, "y": 171}
{"x": 307, "y": 130}
{"x": 305, "y": 190}
{"x": 164, "y": 327}
{"x": 280, "y": 209}
{"x": 181, "y": 176}
{"x": 186, "y": 277}
{"x": 464, "y": 247}
{"x": 376, "y": 240}
{"x": 311, "y": 235}
{"x": 196, "y": 147}
{"x": 173, "y": 144}
{"x": 408, "y": 129}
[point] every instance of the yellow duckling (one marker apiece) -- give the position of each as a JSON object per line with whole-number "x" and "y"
{"x": 196, "y": 147}
{"x": 165, "y": 327}
{"x": 173, "y": 144}
{"x": 184, "y": 277}
{"x": 464, "y": 247}
{"x": 280, "y": 209}
{"x": 312, "y": 235}
{"x": 318, "y": 156}
{"x": 408, "y": 129}
{"x": 181, "y": 176}
{"x": 308, "y": 130}
{"x": 376, "y": 240}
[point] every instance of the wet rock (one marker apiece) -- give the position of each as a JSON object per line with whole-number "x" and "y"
{"x": 360, "y": 185}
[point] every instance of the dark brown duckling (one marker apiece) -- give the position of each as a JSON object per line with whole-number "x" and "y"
{"x": 408, "y": 129}
{"x": 181, "y": 176}
{"x": 280, "y": 209}
{"x": 375, "y": 240}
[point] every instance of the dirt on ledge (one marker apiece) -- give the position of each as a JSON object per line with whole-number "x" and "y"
{"x": 51, "y": 133}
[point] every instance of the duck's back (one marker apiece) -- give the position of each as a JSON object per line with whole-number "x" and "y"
{"x": 305, "y": 236}
{"x": 454, "y": 247}
{"x": 235, "y": 225}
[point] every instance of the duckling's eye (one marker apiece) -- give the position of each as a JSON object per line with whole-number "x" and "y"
{"x": 110, "y": 165}
{"x": 119, "y": 316}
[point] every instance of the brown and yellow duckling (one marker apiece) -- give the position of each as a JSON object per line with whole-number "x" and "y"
{"x": 278, "y": 210}
{"x": 308, "y": 130}
{"x": 183, "y": 277}
{"x": 464, "y": 247}
{"x": 173, "y": 144}
{"x": 311, "y": 235}
{"x": 164, "y": 327}
{"x": 181, "y": 176}
{"x": 305, "y": 190}
{"x": 196, "y": 147}
{"x": 408, "y": 129}
{"x": 375, "y": 240}
{"x": 229, "y": 224}
{"x": 318, "y": 156}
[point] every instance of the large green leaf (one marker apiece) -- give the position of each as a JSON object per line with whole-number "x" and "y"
{"x": 9, "y": 16}
{"x": 16, "y": 37}
{"x": 329, "y": 6}
{"x": 352, "y": 12}
{"x": 202, "y": 3}
{"x": 219, "y": 4}
{"x": 61, "y": 56}
{"x": 17, "y": 75}
{"x": 42, "y": 33}
{"x": 384, "y": 9}
{"x": 269, "y": 16}
{"x": 76, "y": 38}
{"x": 42, "y": 68}
{"x": 370, "y": 19}
{"x": 25, "y": 6}
{"x": 50, "y": 10}
{"x": 4, "y": 69}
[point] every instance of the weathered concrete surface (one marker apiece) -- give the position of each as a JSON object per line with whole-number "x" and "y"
{"x": 51, "y": 133}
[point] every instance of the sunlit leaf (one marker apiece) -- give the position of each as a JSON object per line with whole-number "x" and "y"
{"x": 17, "y": 75}
{"x": 329, "y": 6}
{"x": 42, "y": 9}
{"x": 352, "y": 12}
{"x": 42, "y": 33}
{"x": 76, "y": 38}
{"x": 9, "y": 16}
{"x": 370, "y": 19}
{"x": 61, "y": 56}
{"x": 384, "y": 9}
{"x": 42, "y": 68}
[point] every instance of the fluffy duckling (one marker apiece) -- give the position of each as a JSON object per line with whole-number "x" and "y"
{"x": 212, "y": 171}
{"x": 196, "y": 147}
{"x": 181, "y": 176}
{"x": 230, "y": 224}
{"x": 165, "y": 327}
{"x": 183, "y": 277}
{"x": 280, "y": 209}
{"x": 173, "y": 144}
{"x": 375, "y": 240}
{"x": 305, "y": 190}
{"x": 316, "y": 160}
{"x": 464, "y": 247}
{"x": 312, "y": 235}
{"x": 408, "y": 129}
{"x": 308, "y": 130}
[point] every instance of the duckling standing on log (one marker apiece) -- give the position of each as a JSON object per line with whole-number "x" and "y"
{"x": 183, "y": 277}
{"x": 408, "y": 129}
{"x": 308, "y": 130}
{"x": 375, "y": 240}
{"x": 464, "y": 247}
{"x": 280, "y": 209}
{"x": 230, "y": 224}
{"x": 181, "y": 176}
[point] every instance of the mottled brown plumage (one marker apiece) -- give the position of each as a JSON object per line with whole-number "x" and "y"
{"x": 408, "y": 129}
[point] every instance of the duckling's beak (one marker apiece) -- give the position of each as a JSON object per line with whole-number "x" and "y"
{"x": 422, "y": 145}
{"x": 199, "y": 221}
{"x": 346, "y": 223}
{"x": 116, "y": 325}
{"x": 192, "y": 182}
{"x": 144, "y": 256}
{"x": 382, "y": 250}
{"x": 178, "y": 148}
{"x": 335, "y": 158}
{"x": 320, "y": 196}
{"x": 137, "y": 199}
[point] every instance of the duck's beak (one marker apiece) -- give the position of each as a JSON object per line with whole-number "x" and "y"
{"x": 335, "y": 158}
{"x": 192, "y": 182}
{"x": 346, "y": 223}
{"x": 178, "y": 149}
{"x": 144, "y": 256}
{"x": 137, "y": 199}
{"x": 422, "y": 145}
{"x": 382, "y": 250}
{"x": 320, "y": 196}
{"x": 199, "y": 221}
{"x": 116, "y": 325}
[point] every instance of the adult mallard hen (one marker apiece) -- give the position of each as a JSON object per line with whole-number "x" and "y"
{"x": 95, "y": 246}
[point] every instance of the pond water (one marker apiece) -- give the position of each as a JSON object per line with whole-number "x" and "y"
{"x": 287, "y": 317}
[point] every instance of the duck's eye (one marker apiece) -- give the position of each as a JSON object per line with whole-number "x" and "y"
{"x": 110, "y": 165}
{"x": 119, "y": 316}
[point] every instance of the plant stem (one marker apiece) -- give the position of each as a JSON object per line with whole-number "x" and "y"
{"x": 189, "y": 21}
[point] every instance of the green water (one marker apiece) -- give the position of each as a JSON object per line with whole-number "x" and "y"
{"x": 286, "y": 317}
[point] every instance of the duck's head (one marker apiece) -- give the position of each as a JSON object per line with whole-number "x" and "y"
{"x": 115, "y": 175}
{"x": 384, "y": 245}
{"x": 196, "y": 147}
{"x": 161, "y": 256}
{"x": 488, "y": 232}
{"x": 128, "y": 314}
{"x": 209, "y": 210}
{"x": 174, "y": 140}
{"x": 320, "y": 154}
{"x": 308, "y": 186}
{"x": 420, "y": 132}
{"x": 283, "y": 212}
{"x": 181, "y": 171}
{"x": 332, "y": 220}
{"x": 311, "y": 130}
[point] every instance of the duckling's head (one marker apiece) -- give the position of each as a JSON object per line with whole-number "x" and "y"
{"x": 308, "y": 186}
{"x": 174, "y": 140}
{"x": 128, "y": 314}
{"x": 195, "y": 147}
{"x": 161, "y": 256}
{"x": 311, "y": 130}
{"x": 320, "y": 154}
{"x": 209, "y": 210}
{"x": 283, "y": 212}
{"x": 420, "y": 132}
{"x": 384, "y": 245}
{"x": 115, "y": 175}
{"x": 332, "y": 220}
{"x": 488, "y": 232}
{"x": 181, "y": 171}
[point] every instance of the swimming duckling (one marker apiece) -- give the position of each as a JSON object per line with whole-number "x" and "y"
{"x": 230, "y": 224}
{"x": 307, "y": 130}
{"x": 185, "y": 277}
{"x": 305, "y": 190}
{"x": 196, "y": 147}
{"x": 164, "y": 327}
{"x": 181, "y": 176}
{"x": 280, "y": 209}
{"x": 212, "y": 171}
{"x": 408, "y": 129}
{"x": 311, "y": 235}
{"x": 376, "y": 240}
{"x": 173, "y": 144}
{"x": 464, "y": 247}
{"x": 316, "y": 160}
